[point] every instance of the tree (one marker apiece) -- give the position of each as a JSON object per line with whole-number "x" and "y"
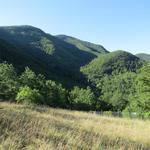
{"x": 140, "y": 101}
{"x": 28, "y": 78}
{"x": 82, "y": 98}
{"x": 55, "y": 94}
{"x": 116, "y": 89}
{"x": 28, "y": 96}
{"x": 8, "y": 82}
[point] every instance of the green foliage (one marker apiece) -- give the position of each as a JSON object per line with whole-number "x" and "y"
{"x": 55, "y": 94}
{"x": 8, "y": 82}
{"x": 82, "y": 98}
{"x": 29, "y": 78}
{"x": 83, "y": 45}
{"x": 15, "y": 55}
{"x": 30, "y": 88}
{"x": 140, "y": 101}
{"x": 126, "y": 91}
{"x": 47, "y": 45}
{"x": 147, "y": 115}
{"x": 29, "y": 96}
{"x": 111, "y": 63}
{"x": 46, "y": 54}
{"x": 117, "y": 89}
{"x": 113, "y": 78}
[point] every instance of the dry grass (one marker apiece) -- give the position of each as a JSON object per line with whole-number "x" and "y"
{"x": 42, "y": 128}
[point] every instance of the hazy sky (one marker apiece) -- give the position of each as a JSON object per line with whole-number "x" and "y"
{"x": 116, "y": 24}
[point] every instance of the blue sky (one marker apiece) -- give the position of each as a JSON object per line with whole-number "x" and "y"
{"x": 116, "y": 24}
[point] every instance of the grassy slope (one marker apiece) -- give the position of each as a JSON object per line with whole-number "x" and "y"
{"x": 44, "y": 128}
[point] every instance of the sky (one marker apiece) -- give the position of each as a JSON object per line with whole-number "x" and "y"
{"x": 115, "y": 24}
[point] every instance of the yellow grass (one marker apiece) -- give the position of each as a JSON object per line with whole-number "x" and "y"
{"x": 43, "y": 128}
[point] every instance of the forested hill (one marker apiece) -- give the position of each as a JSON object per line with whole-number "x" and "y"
{"x": 74, "y": 74}
{"x": 44, "y": 53}
{"x": 111, "y": 63}
{"x": 61, "y": 57}
{"x": 83, "y": 45}
{"x": 144, "y": 56}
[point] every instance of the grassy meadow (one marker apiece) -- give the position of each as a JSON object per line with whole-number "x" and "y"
{"x": 43, "y": 128}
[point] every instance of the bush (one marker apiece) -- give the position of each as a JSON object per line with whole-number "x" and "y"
{"x": 29, "y": 96}
{"x": 82, "y": 98}
{"x": 147, "y": 115}
{"x": 54, "y": 94}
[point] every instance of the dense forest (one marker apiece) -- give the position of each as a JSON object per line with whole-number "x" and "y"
{"x": 62, "y": 71}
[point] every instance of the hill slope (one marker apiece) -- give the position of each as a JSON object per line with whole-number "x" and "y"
{"x": 114, "y": 62}
{"x": 13, "y": 54}
{"x": 83, "y": 45}
{"x": 143, "y": 56}
{"x": 24, "y": 127}
{"x": 60, "y": 57}
{"x": 44, "y": 53}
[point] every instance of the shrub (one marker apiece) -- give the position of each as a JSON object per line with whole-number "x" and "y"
{"x": 55, "y": 94}
{"x": 82, "y": 98}
{"x": 147, "y": 115}
{"x": 29, "y": 96}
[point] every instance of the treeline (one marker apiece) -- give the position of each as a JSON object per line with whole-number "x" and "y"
{"x": 31, "y": 88}
{"x": 125, "y": 91}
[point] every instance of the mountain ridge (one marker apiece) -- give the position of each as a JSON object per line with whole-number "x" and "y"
{"x": 60, "y": 58}
{"x": 48, "y": 54}
{"x": 84, "y": 45}
{"x": 144, "y": 56}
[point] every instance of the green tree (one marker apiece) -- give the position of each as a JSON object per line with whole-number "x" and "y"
{"x": 28, "y": 78}
{"x": 116, "y": 89}
{"x": 82, "y": 98}
{"x": 140, "y": 101}
{"x": 55, "y": 94}
{"x": 28, "y": 96}
{"x": 8, "y": 82}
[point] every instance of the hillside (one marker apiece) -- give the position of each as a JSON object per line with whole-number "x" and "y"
{"x": 143, "y": 56}
{"x": 24, "y": 127}
{"x": 44, "y": 53}
{"x": 74, "y": 74}
{"x": 20, "y": 59}
{"x": 111, "y": 63}
{"x": 84, "y": 45}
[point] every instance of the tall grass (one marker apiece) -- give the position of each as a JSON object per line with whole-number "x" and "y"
{"x": 42, "y": 128}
